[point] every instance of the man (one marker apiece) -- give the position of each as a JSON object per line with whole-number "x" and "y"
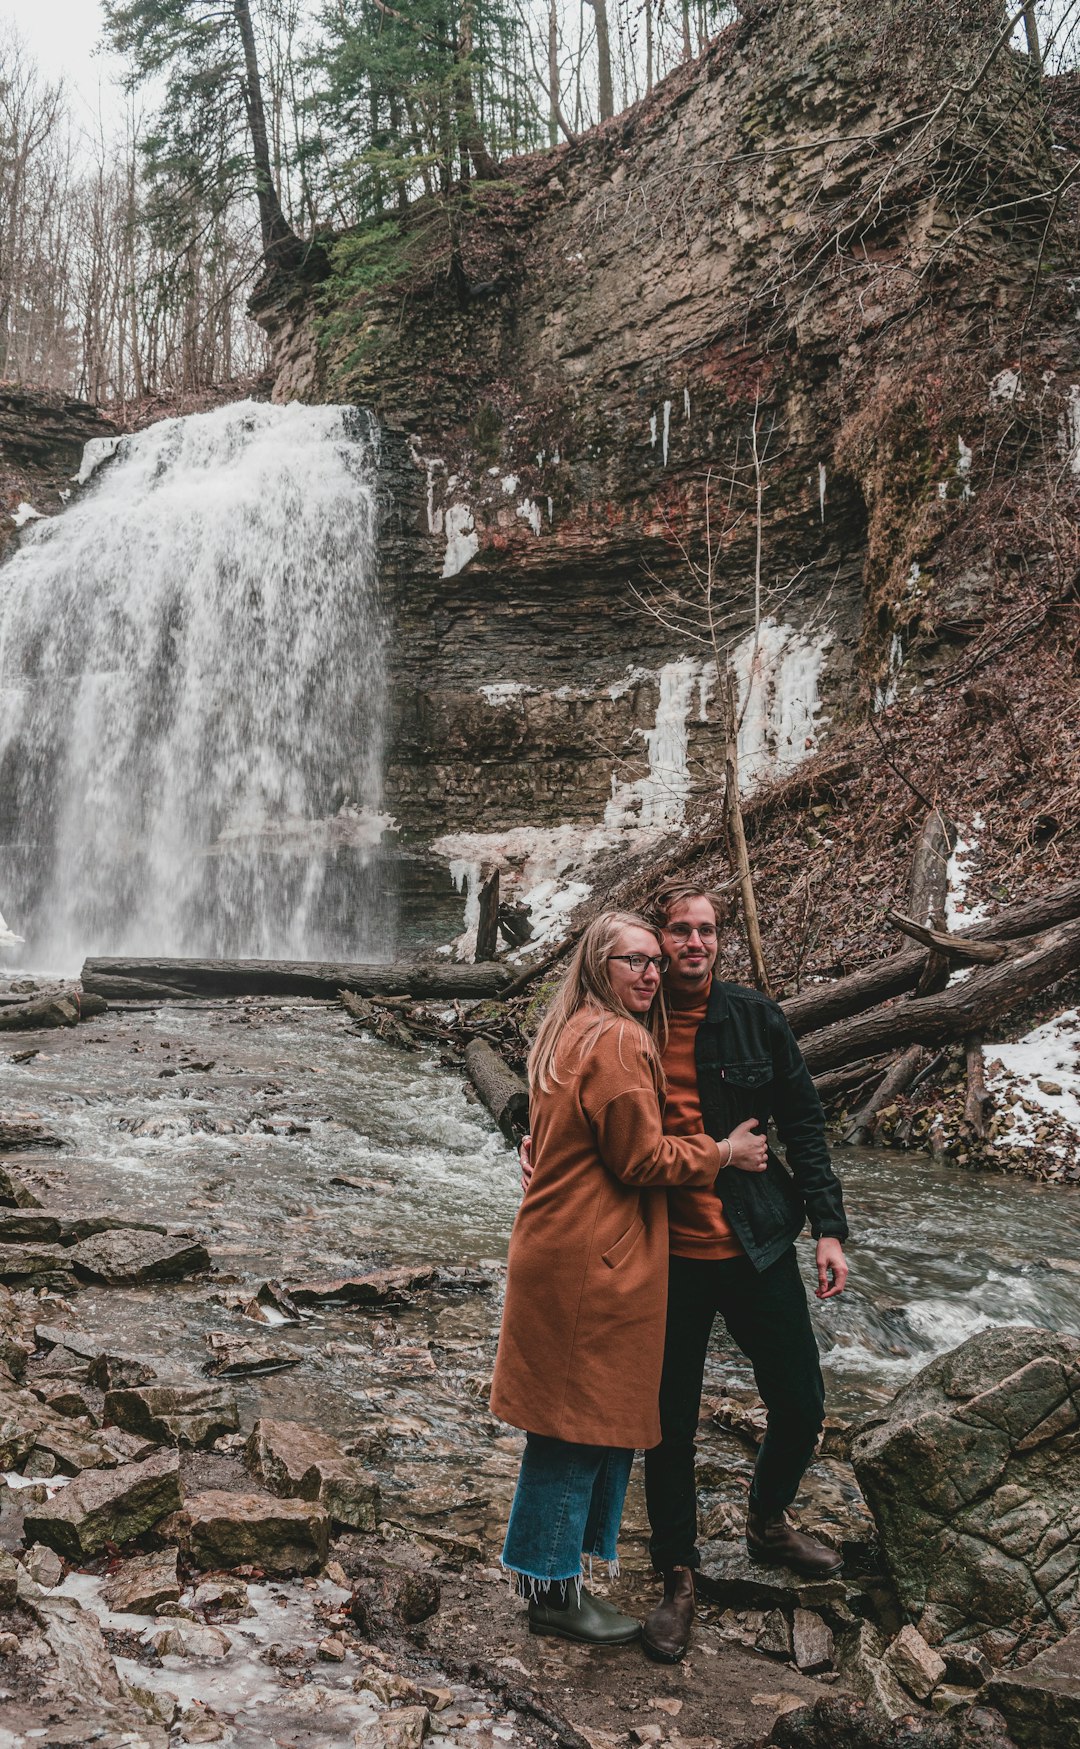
{"x": 730, "y": 1057}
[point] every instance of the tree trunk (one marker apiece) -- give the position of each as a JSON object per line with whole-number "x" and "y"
{"x": 279, "y": 241}
{"x": 469, "y": 130}
{"x": 1031, "y": 32}
{"x": 891, "y": 977}
{"x": 977, "y": 1096}
{"x": 740, "y": 856}
{"x": 861, "y": 1128}
{"x": 553, "y": 73}
{"x": 160, "y": 980}
{"x": 969, "y": 1007}
{"x": 505, "y": 1093}
{"x": 487, "y": 923}
{"x": 605, "y": 84}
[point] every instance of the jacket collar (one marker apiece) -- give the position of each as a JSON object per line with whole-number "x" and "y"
{"x": 718, "y": 1007}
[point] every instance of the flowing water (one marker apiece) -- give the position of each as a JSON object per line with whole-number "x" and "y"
{"x": 191, "y": 698}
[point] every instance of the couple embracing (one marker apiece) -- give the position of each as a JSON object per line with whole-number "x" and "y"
{"x": 654, "y": 1203}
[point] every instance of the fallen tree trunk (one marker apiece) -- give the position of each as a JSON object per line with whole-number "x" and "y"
{"x": 978, "y": 1098}
{"x": 59, "y": 1009}
{"x": 901, "y": 971}
{"x": 504, "y": 1093}
{"x": 159, "y": 980}
{"x": 955, "y": 948}
{"x": 860, "y": 1130}
{"x": 969, "y": 1007}
{"x": 928, "y": 885}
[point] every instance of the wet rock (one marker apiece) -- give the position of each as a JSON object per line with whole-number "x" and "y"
{"x": 199, "y": 1726}
{"x": 837, "y": 1721}
{"x": 37, "y": 1225}
{"x": 272, "y": 1305}
{"x": 194, "y": 1639}
{"x": 812, "y": 1642}
{"x": 14, "y": 1191}
{"x": 949, "y": 1697}
{"x": 15, "y": 1342}
{"x": 10, "y": 1644}
{"x": 1041, "y": 1702}
{"x": 9, "y": 1580}
{"x": 221, "y": 1594}
{"x": 76, "y": 1227}
{"x": 966, "y": 1665}
{"x": 44, "y": 1566}
{"x": 66, "y": 1399}
{"x": 410, "y": 1595}
{"x": 973, "y": 1476}
{"x": 174, "y": 1414}
{"x": 125, "y": 1448}
{"x": 27, "y": 1424}
{"x": 103, "y": 1506}
{"x": 914, "y": 1663}
{"x": 111, "y": 1371}
{"x": 234, "y": 1357}
{"x": 729, "y": 1578}
{"x": 34, "y": 1266}
{"x": 218, "y": 1529}
{"x": 861, "y": 1660}
{"x": 63, "y": 1363}
{"x": 129, "y": 1256}
{"x": 405, "y": 1728}
{"x": 377, "y": 1287}
{"x": 386, "y": 1685}
{"x": 140, "y": 1586}
{"x": 331, "y": 1651}
{"x": 303, "y": 1463}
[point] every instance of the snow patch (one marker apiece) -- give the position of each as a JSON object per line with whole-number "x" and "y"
{"x": 963, "y": 863}
{"x": 504, "y": 691}
{"x": 686, "y": 403}
{"x": 1050, "y": 1054}
{"x": 659, "y": 798}
{"x": 24, "y": 513}
{"x": 652, "y": 430}
{"x": 98, "y": 450}
{"x": 509, "y": 483}
{"x": 530, "y": 513}
{"x": 885, "y": 694}
{"x": 462, "y": 541}
{"x": 667, "y": 429}
{"x": 1069, "y": 432}
{"x": 821, "y": 482}
{"x": 1006, "y": 387}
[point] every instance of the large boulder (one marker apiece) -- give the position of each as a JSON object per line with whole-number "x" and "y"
{"x": 304, "y": 1463}
{"x": 106, "y": 1506}
{"x": 973, "y": 1476}
{"x": 130, "y": 1256}
{"x": 219, "y": 1529}
{"x": 174, "y": 1414}
{"x": 837, "y": 1721}
{"x": 1041, "y": 1702}
{"x": 28, "y": 1425}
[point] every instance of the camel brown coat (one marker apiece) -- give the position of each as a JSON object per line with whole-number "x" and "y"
{"x": 582, "y": 1338}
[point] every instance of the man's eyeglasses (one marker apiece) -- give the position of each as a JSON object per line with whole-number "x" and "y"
{"x": 683, "y": 931}
{"x": 638, "y": 961}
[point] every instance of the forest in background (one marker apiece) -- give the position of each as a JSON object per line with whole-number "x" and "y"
{"x": 127, "y": 254}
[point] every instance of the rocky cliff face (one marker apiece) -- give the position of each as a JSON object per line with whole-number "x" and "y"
{"x": 824, "y": 237}
{"x": 42, "y": 437}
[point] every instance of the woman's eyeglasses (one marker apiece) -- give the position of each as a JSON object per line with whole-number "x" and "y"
{"x": 638, "y": 961}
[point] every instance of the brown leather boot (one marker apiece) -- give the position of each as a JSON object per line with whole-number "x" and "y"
{"x": 666, "y": 1633}
{"x": 776, "y": 1541}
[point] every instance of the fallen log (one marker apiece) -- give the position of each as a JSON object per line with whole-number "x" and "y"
{"x": 978, "y": 1098}
{"x": 969, "y": 1007}
{"x": 860, "y": 1130}
{"x": 928, "y": 884}
{"x": 487, "y": 922}
{"x": 890, "y": 977}
{"x": 161, "y": 980}
{"x": 954, "y": 947}
{"x": 505, "y": 1093}
{"x": 59, "y": 1009}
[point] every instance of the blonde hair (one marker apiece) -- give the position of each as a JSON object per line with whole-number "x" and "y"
{"x": 664, "y": 898}
{"x": 586, "y": 984}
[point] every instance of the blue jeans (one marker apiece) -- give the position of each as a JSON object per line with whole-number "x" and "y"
{"x": 568, "y": 1502}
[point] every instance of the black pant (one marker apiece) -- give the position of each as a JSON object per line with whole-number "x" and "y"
{"x": 767, "y": 1316}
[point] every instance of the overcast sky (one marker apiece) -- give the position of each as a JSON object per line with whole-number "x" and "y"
{"x": 62, "y": 36}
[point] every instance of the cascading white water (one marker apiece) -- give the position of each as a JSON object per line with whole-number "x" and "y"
{"x": 191, "y": 687}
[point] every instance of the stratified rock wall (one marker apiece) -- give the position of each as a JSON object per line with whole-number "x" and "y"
{"x": 826, "y": 231}
{"x": 42, "y": 436}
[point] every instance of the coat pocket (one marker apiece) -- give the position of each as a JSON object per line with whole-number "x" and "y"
{"x": 622, "y": 1248}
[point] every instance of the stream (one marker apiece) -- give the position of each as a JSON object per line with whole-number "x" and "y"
{"x": 235, "y": 1119}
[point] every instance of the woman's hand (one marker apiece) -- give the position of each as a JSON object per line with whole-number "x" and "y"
{"x": 749, "y": 1149}
{"x": 525, "y": 1156}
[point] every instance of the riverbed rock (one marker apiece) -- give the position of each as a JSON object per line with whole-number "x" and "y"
{"x": 44, "y": 1566}
{"x": 142, "y": 1584}
{"x": 103, "y": 1506}
{"x": 376, "y": 1287}
{"x": 174, "y": 1414}
{"x": 16, "y": 1343}
{"x": 1041, "y": 1701}
{"x": 236, "y": 1357}
{"x": 127, "y": 1256}
{"x": 190, "y": 1639}
{"x": 9, "y": 1580}
{"x": 838, "y": 1721}
{"x": 14, "y": 1191}
{"x": 730, "y": 1579}
{"x": 26, "y": 1424}
{"x": 915, "y": 1664}
{"x": 812, "y": 1642}
{"x": 861, "y": 1661}
{"x": 34, "y": 1266}
{"x": 219, "y": 1529}
{"x": 304, "y": 1463}
{"x": 110, "y": 1370}
{"x": 27, "y": 1225}
{"x": 973, "y": 1476}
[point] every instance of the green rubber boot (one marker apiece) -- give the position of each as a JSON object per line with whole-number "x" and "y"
{"x": 587, "y": 1619}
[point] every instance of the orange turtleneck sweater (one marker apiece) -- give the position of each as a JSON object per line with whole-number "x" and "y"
{"x": 697, "y": 1225}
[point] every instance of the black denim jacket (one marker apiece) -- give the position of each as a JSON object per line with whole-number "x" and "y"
{"x": 749, "y": 1065}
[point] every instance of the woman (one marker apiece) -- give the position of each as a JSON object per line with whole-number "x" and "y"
{"x": 582, "y": 1336}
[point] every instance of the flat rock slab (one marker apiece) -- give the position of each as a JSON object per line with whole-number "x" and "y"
{"x": 17, "y": 1229}
{"x": 377, "y": 1287}
{"x": 173, "y": 1414}
{"x": 140, "y": 1585}
{"x": 304, "y": 1463}
{"x": 728, "y": 1577}
{"x": 1041, "y": 1702}
{"x": 219, "y": 1529}
{"x": 973, "y": 1476}
{"x": 107, "y": 1506}
{"x": 36, "y": 1265}
{"x": 127, "y": 1255}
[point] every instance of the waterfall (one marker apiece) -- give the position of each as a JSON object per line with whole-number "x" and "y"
{"x": 191, "y": 698}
